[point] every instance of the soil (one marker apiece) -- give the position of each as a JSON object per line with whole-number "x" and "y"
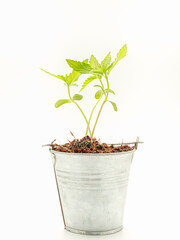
{"x": 84, "y": 145}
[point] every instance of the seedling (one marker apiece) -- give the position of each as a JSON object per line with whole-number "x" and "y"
{"x": 95, "y": 70}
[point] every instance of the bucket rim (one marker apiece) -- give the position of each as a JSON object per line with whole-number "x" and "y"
{"x": 92, "y": 154}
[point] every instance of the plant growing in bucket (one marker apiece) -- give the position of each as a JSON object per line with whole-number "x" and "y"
{"x": 91, "y": 176}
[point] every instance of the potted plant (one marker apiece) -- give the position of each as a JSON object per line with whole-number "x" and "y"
{"x": 91, "y": 177}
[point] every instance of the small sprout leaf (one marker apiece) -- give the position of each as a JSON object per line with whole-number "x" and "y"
{"x": 87, "y": 81}
{"x": 61, "y": 77}
{"x": 80, "y": 67}
{"x": 94, "y": 62}
{"x": 101, "y": 88}
{"x": 61, "y": 102}
{"x": 114, "y": 105}
{"x": 110, "y": 90}
{"x": 57, "y": 76}
{"x": 111, "y": 67}
{"x": 106, "y": 61}
{"x": 77, "y": 97}
{"x": 86, "y": 61}
{"x": 98, "y": 86}
{"x": 121, "y": 54}
{"x": 73, "y": 77}
{"x": 99, "y": 94}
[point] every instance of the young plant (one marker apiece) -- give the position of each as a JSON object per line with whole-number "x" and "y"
{"x": 96, "y": 70}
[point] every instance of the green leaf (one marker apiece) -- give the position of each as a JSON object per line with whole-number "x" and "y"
{"x": 57, "y": 76}
{"x": 111, "y": 67}
{"x": 87, "y": 81}
{"x": 121, "y": 54}
{"x": 86, "y": 61}
{"x": 100, "y": 87}
{"x": 98, "y": 71}
{"x": 73, "y": 77}
{"x": 106, "y": 61}
{"x": 111, "y": 91}
{"x": 77, "y": 97}
{"x": 114, "y": 105}
{"x": 94, "y": 62}
{"x": 98, "y": 94}
{"x": 61, "y": 102}
{"x": 99, "y": 76}
{"x": 66, "y": 77}
{"x": 74, "y": 85}
{"x": 80, "y": 67}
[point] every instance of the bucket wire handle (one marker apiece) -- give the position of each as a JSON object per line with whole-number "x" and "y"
{"x": 54, "y": 164}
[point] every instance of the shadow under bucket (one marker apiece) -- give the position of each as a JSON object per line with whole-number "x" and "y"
{"x": 92, "y": 190}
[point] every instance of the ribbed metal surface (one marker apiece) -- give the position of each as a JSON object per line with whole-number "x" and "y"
{"x": 106, "y": 180}
{"x": 92, "y": 190}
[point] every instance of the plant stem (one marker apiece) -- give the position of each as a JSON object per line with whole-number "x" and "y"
{"x": 94, "y": 108}
{"x": 101, "y": 82}
{"x": 79, "y": 109}
{"x": 91, "y": 116}
{"x": 100, "y": 110}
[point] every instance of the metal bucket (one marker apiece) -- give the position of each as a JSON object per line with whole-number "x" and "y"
{"x": 92, "y": 190}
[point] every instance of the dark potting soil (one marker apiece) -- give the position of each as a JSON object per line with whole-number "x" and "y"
{"x": 84, "y": 145}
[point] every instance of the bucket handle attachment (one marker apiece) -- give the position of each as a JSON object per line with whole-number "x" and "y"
{"x": 129, "y": 143}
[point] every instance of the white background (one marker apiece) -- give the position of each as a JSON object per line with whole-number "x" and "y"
{"x": 43, "y": 34}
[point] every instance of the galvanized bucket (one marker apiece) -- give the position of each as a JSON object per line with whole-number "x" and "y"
{"x": 92, "y": 190}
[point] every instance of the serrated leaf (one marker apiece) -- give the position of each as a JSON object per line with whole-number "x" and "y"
{"x": 86, "y": 61}
{"x": 110, "y": 90}
{"x": 121, "y": 54}
{"x": 73, "y": 77}
{"x": 80, "y": 67}
{"x": 61, "y": 102}
{"x": 114, "y": 105}
{"x": 87, "y": 81}
{"x": 106, "y": 61}
{"x": 98, "y": 94}
{"x": 77, "y": 97}
{"x": 94, "y": 62}
{"x": 53, "y": 75}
